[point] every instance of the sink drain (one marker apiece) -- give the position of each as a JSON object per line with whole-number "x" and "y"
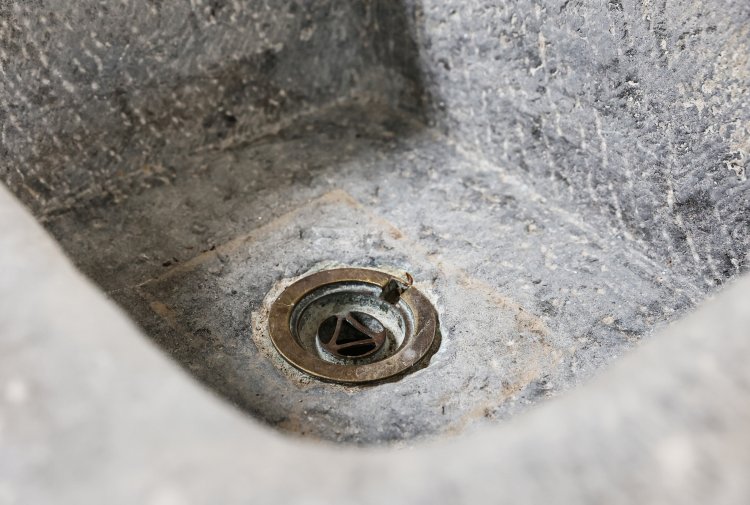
{"x": 353, "y": 325}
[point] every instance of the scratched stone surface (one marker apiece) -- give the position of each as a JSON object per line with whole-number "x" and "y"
{"x": 92, "y": 412}
{"x": 584, "y": 160}
{"x": 592, "y": 298}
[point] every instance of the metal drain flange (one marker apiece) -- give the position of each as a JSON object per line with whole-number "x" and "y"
{"x": 353, "y": 325}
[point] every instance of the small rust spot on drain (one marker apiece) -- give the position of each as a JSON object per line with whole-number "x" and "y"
{"x": 394, "y": 288}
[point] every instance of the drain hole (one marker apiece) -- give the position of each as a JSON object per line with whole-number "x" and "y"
{"x": 353, "y": 325}
{"x": 328, "y": 329}
{"x": 352, "y": 335}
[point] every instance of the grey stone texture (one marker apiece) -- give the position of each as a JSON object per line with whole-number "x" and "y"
{"x": 91, "y": 412}
{"x": 466, "y": 231}
{"x": 563, "y": 178}
{"x": 99, "y": 96}
{"x": 637, "y": 110}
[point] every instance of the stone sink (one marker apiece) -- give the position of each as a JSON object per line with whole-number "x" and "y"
{"x": 565, "y": 181}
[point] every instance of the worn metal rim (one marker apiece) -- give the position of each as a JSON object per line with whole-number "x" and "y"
{"x": 413, "y": 349}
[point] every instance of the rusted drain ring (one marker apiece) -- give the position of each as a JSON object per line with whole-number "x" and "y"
{"x": 352, "y": 325}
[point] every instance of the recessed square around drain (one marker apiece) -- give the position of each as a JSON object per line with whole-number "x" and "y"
{"x": 215, "y": 310}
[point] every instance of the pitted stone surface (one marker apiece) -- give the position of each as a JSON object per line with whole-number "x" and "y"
{"x": 101, "y": 101}
{"x": 596, "y": 296}
{"x": 91, "y": 413}
{"x": 635, "y": 113}
{"x": 586, "y": 160}
{"x": 631, "y": 110}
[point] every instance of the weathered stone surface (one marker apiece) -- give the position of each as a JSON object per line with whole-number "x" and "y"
{"x": 564, "y": 178}
{"x": 99, "y": 101}
{"x": 595, "y": 296}
{"x": 634, "y": 110}
{"x": 91, "y": 412}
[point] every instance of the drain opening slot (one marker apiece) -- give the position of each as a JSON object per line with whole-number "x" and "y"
{"x": 351, "y": 335}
